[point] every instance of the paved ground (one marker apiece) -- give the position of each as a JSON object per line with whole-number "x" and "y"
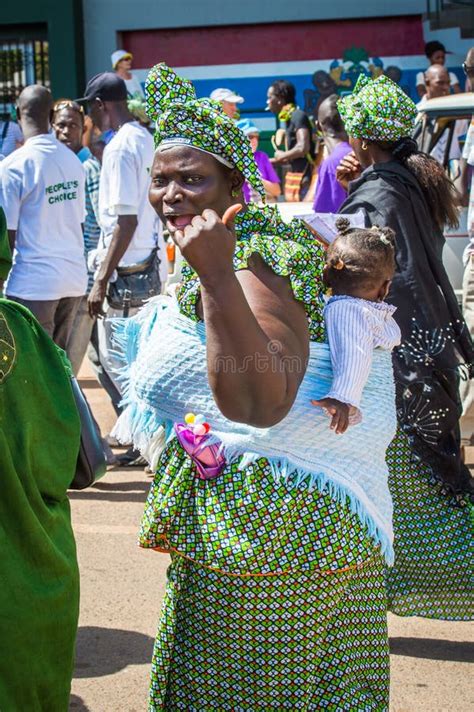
{"x": 122, "y": 588}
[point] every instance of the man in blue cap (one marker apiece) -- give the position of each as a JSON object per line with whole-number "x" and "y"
{"x": 130, "y": 232}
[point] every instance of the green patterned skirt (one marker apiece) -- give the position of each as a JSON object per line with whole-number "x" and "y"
{"x": 275, "y": 596}
{"x": 433, "y": 575}
{"x": 298, "y": 641}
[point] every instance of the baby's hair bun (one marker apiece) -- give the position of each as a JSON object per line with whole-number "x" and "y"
{"x": 337, "y": 263}
{"x": 386, "y": 234}
{"x": 342, "y": 225}
{"x": 389, "y": 234}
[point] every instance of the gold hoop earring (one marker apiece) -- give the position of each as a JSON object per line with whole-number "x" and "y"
{"x": 364, "y": 145}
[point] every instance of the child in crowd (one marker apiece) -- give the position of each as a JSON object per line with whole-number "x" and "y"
{"x": 359, "y": 269}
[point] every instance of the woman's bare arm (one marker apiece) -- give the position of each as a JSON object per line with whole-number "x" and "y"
{"x": 257, "y": 345}
{"x": 257, "y": 333}
{"x": 299, "y": 150}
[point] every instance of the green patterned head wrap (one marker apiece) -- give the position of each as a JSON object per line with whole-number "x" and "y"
{"x": 377, "y": 110}
{"x": 183, "y": 119}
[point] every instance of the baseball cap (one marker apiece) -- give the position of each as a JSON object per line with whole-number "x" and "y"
{"x": 247, "y": 127}
{"x": 435, "y": 46}
{"x": 106, "y": 86}
{"x": 226, "y": 95}
{"x": 118, "y": 55}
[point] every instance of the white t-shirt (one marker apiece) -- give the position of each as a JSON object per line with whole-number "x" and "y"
{"x": 420, "y": 79}
{"x": 124, "y": 185}
{"x": 42, "y": 191}
{"x": 134, "y": 87}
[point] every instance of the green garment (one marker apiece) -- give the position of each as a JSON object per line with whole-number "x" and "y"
{"x": 5, "y": 252}
{"x": 299, "y": 642}
{"x": 263, "y": 572}
{"x": 377, "y": 110}
{"x": 183, "y": 119}
{"x": 39, "y": 590}
{"x": 434, "y": 553}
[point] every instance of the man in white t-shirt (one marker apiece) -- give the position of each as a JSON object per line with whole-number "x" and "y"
{"x": 122, "y": 65}
{"x": 42, "y": 194}
{"x": 437, "y": 85}
{"x": 436, "y": 54}
{"x": 129, "y": 225}
{"x": 130, "y": 230}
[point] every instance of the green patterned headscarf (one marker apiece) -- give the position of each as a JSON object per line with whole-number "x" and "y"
{"x": 377, "y": 110}
{"x": 183, "y": 119}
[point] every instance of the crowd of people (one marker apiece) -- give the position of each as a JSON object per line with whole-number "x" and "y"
{"x": 319, "y": 479}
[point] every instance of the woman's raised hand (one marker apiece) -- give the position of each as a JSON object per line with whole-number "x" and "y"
{"x": 348, "y": 169}
{"x": 208, "y": 243}
{"x": 230, "y": 213}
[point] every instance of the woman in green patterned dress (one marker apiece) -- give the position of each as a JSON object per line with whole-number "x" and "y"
{"x": 432, "y": 489}
{"x": 275, "y": 596}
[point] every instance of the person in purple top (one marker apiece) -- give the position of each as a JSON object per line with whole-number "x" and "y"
{"x": 329, "y": 194}
{"x": 270, "y": 179}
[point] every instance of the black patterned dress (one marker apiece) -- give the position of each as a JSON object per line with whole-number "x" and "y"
{"x": 432, "y": 490}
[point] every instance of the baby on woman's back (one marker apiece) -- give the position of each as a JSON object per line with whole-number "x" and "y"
{"x": 359, "y": 269}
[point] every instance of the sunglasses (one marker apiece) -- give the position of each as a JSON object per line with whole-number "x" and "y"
{"x": 67, "y": 104}
{"x": 468, "y": 69}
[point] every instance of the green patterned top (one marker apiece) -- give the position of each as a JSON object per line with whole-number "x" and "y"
{"x": 251, "y": 521}
{"x": 289, "y": 249}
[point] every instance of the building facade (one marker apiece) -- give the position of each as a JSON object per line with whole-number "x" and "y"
{"x": 320, "y": 47}
{"x": 40, "y": 42}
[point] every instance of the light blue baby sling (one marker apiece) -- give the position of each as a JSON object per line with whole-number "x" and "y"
{"x": 161, "y": 363}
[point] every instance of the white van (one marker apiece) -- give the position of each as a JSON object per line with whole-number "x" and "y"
{"x": 443, "y": 114}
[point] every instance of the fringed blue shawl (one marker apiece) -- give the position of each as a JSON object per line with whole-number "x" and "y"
{"x": 161, "y": 362}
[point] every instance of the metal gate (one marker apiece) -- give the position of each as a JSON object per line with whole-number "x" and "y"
{"x": 24, "y": 60}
